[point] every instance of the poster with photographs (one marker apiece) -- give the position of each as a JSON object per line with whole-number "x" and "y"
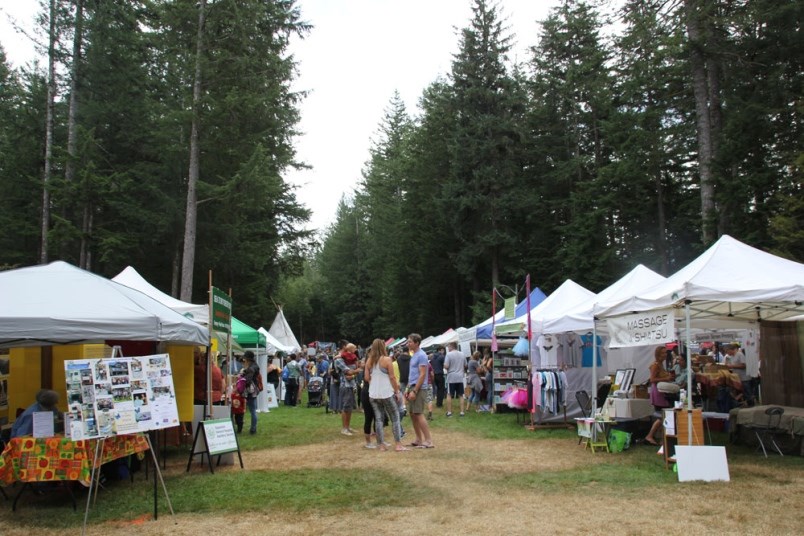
{"x": 120, "y": 395}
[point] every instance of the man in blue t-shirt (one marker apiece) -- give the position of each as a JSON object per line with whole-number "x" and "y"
{"x": 418, "y": 392}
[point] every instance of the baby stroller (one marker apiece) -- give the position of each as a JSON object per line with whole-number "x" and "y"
{"x": 315, "y": 392}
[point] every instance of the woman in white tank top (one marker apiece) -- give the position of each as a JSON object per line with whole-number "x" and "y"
{"x": 383, "y": 392}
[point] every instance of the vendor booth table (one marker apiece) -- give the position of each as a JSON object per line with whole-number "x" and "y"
{"x": 60, "y": 459}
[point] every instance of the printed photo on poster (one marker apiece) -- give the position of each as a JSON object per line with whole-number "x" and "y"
{"x": 121, "y": 395}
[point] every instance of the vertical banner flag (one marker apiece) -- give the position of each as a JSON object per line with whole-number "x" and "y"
{"x": 493, "y": 319}
{"x": 527, "y": 293}
{"x": 221, "y": 311}
{"x": 510, "y": 308}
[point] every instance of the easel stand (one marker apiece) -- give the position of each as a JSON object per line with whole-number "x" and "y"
{"x": 229, "y": 444}
{"x": 95, "y": 479}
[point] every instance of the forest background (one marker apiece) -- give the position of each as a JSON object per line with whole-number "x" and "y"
{"x": 160, "y": 133}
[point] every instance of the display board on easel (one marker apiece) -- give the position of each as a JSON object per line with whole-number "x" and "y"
{"x": 120, "y": 395}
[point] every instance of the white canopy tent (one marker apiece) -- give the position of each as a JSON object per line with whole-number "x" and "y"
{"x": 729, "y": 281}
{"x": 59, "y": 303}
{"x": 132, "y": 279}
{"x": 566, "y": 297}
{"x": 451, "y": 335}
{"x": 581, "y": 317}
{"x": 272, "y": 344}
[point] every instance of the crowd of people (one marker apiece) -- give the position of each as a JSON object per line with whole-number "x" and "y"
{"x": 385, "y": 386}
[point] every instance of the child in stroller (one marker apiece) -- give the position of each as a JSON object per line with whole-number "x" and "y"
{"x": 315, "y": 392}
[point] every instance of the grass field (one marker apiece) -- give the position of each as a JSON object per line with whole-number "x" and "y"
{"x": 486, "y": 474}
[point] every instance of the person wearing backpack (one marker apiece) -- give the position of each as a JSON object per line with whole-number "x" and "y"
{"x": 252, "y": 388}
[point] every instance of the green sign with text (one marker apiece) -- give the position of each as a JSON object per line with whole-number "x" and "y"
{"x": 221, "y": 311}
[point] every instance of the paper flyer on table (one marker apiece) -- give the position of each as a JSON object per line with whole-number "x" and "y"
{"x": 43, "y": 424}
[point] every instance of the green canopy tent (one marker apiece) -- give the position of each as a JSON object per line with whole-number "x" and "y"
{"x": 246, "y": 336}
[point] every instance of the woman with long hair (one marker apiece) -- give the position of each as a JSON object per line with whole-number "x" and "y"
{"x": 657, "y": 374}
{"x": 384, "y": 392}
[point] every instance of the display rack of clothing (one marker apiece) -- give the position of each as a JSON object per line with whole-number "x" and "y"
{"x": 549, "y": 388}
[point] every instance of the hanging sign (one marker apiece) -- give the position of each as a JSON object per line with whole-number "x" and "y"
{"x": 510, "y": 308}
{"x": 221, "y": 311}
{"x": 641, "y": 329}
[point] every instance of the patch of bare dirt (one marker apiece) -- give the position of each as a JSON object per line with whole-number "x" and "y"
{"x": 464, "y": 502}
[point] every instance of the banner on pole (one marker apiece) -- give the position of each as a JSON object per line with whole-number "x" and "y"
{"x": 510, "y": 308}
{"x": 641, "y": 329}
{"x": 221, "y": 311}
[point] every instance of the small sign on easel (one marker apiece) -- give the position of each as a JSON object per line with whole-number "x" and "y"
{"x": 218, "y": 438}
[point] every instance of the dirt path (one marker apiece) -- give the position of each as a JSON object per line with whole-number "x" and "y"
{"x": 464, "y": 503}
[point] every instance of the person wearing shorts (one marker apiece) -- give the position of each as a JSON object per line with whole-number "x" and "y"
{"x": 454, "y": 365}
{"x": 418, "y": 392}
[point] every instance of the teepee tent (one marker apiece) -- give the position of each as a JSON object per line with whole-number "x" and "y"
{"x": 280, "y": 329}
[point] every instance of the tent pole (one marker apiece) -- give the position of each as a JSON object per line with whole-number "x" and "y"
{"x": 689, "y": 373}
{"x": 594, "y": 368}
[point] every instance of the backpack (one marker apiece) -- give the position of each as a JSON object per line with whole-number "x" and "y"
{"x": 285, "y": 374}
{"x": 258, "y": 382}
{"x": 240, "y": 386}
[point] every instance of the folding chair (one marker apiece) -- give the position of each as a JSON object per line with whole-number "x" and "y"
{"x": 585, "y": 402}
{"x": 767, "y": 432}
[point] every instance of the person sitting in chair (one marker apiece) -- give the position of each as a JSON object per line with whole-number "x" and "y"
{"x": 46, "y": 400}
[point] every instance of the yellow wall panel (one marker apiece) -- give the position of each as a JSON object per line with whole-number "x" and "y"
{"x": 181, "y": 361}
{"x": 25, "y": 376}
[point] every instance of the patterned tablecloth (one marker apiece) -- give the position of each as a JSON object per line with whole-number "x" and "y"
{"x": 28, "y": 459}
{"x": 718, "y": 378}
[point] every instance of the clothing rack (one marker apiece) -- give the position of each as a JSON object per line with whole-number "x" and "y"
{"x": 539, "y": 424}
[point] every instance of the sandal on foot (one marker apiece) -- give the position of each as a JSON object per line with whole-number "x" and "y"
{"x": 400, "y": 448}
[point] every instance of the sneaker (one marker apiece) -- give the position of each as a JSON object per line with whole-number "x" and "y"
{"x": 370, "y": 446}
{"x": 463, "y": 414}
{"x": 449, "y": 414}
{"x": 345, "y": 431}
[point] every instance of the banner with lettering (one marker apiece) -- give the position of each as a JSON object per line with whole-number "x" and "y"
{"x": 642, "y": 329}
{"x": 221, "y": 311}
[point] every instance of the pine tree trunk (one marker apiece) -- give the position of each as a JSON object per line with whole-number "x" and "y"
{"x": 703, "y": 121}
{"x": 72, "y": 135}
{"x": 188, "y": 257}
{"x": 49, "y": 124}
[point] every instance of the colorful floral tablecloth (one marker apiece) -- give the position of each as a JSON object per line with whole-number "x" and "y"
{"x": 28, "y": 459}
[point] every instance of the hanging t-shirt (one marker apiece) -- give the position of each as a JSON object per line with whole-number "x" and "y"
{"x": 587, "y": 352}
{"x": 548, "y": 349}
{"x": 572, "y": 349}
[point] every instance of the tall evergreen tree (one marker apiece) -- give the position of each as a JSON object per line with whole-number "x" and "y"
{"x": 571, "y": 101}
{"x": 485, "y": 173}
